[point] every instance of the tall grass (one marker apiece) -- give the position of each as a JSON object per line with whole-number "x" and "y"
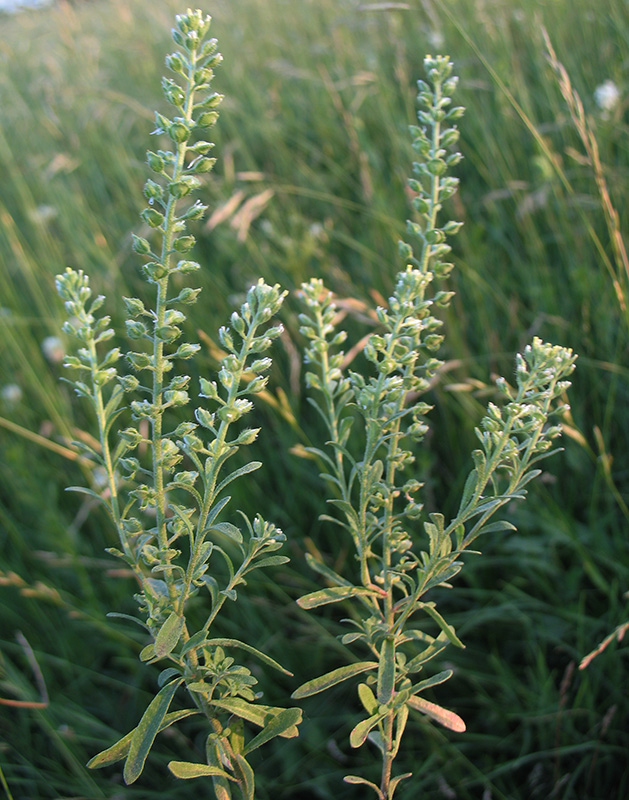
{"x": 314, "y": 151}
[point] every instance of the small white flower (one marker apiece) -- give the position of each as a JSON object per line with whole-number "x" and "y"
{"x": 52, "y": 347}
{"x": 11, "y": 394}
{"x": 607, "y": 96}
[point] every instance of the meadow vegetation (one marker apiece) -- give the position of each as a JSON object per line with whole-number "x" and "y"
{"x": 313, "y": 155}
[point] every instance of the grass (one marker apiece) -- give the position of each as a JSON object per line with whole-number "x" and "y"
{"x": 313, "y": 151}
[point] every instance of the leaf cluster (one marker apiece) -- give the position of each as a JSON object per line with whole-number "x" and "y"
{"x": 167, "y": 488}
{"x": 374, "y": 492}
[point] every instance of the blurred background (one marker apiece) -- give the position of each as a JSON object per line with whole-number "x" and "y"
{"x": 313, "y": 154}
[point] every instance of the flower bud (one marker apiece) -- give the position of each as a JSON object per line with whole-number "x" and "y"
{"x": 188, "y": 296}
{"x": 176, "y": 398}
{"x": 179, "y": 132}
{"x": 140, "y": 360}
{"x": 168, "y": 333}
{"x": 204, "y": 418}
{"x": 186, "y": 350}
{"x": 184, "y": 243}
{"x": 175, "y": 62}
{"x": 128, "y": 382}
{"x": 135, "y": 329}
{"x": 155, "y": 161}
{"x": 152, "y": 217}
{"x": 154, "y": 271}
{"x": 207, "y": 119}
{"x": 201, "y": 147}
{"x": 131, "y": 436}
{"x": 140, "y": 245}
{"x": 187, "y": 266}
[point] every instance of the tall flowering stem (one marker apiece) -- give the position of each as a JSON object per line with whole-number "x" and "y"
{"x": 169, "y": 510}
{"x": 375, "y": 494}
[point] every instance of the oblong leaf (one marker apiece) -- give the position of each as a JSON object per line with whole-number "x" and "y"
{"x": 249, "y": 649}
{"x": 324, "y": 570}
{"x": 356, "y": 779}
{"x": 169, "y": 635}
{"x": 440, "y": 677}
{"x": 335, "y": 594}
{"x": 250, "y": 467}
{"x": 360, "y": 732}
{"x": 339, "y": 675}
{"x": 119, "y": 750}
{"x": 187, "y": 769}
{"x": 430, "y": 609}
{"x": 441, "y": 715}
{"x": 253, "y": 712}
{"x": 386, "y": 671}
{"x": 287, "y": 718}
{"x": 146, "y": 731}
{"x": 245, "y": 776}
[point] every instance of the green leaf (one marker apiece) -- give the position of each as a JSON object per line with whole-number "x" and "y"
{"x": 119, "y": 750}
{"x": 187, "y": 769}
{"x": 148, "y": 652}
{"x": 430, "y": 609}
{"x": 146, "y": 731}
{"x": 84, "y": 490}
{"x": 249, "y": 649}
{"x": 435, "y": 646}
{"x": 271, "y": 561}
{"x": 229, "y": 530}
{"x": 356, "y": 779}
{"x": 237, "y": 473}
{"x": 495, "y": 527}
{"x": 245, "y": 776}
{"x": 367, "y": 698}
{"x": 339, "y": 675}
{"x": 169, "y": 635}
{"x": 440, "y": 677}
{"x": 129, "y": 617}
{"x": 395, "y": 781}
{"x": 324, "y": 570}
{"x": 257, "y": 714}
{"x": 359, "y": 734}
{"x": 334, "y": 594}
{"x": 197, "y": 639}
{"x": 279, "y": 724}
{"x": 386, "y": 671}
{"x": 441, "y": 715}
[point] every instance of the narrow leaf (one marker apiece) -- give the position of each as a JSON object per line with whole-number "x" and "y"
{"x": 119, "y": 750}
{"x": 324, "y": 570}
{"x": 146, "y": 731}
{"x": 430, "y": 609}
{"x": 169, "y": 635}
{"x": 332, "y": 678}
{"x": 229, "y": 530}
{"x": 282, "y": 722}
{"x": 255, "y": 713}
{"x": 246, "y": 776}
{"x": 440, "y": 677}
{"x": 356, "y": 779}
{"x": 367, "y": 698}
{"x": 270, "y": 561}
{"x": 397, "y": 780}
{"x": 187, "y": 769}
{"x": 386, "y": 671}
{"x": 84, "y": 490}
{"x": 334, "y": 594}
{"x": 251, "y": 467}
{"x": 441, "y": 715}
{"x": 249, "y": 649}
{"x": 359, "y": 734}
